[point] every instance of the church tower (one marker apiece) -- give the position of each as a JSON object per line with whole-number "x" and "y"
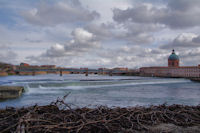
{"x": 173, "y": 60}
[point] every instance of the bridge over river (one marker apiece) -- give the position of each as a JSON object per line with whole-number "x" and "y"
{"x": 62, "y": 71}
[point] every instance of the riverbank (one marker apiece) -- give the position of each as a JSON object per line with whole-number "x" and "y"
{"x": 60, "y": 117}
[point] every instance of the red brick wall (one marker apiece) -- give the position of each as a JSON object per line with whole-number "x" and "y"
{"x": 173, "y": 63}
{"x": 190, "y": 72}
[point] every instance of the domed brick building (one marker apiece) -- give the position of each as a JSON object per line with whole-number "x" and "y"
{"x": 172, "y": 70}
{"x": 173, "y": 60}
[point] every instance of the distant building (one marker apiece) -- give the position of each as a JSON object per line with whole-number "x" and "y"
{"x": 103, "y": 71}
{"x": 173, "y": 69}
{"x": 24, "y": 65}
{"x": 121, "y": 69}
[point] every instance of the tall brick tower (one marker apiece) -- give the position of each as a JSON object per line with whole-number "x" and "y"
{"x": 173, "y": 60}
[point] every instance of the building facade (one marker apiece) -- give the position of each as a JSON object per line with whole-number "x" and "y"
{"x": 173, "y": 69}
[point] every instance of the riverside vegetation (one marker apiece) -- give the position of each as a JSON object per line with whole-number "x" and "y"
{"x": 60, "y": 117}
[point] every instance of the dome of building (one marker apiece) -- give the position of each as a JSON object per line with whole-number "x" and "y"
{"x": 173, "y": 56}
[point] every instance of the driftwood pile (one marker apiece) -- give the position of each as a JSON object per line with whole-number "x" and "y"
{"x": 59, "y": 117}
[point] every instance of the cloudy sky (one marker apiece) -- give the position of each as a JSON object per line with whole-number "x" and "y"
{"x": 96, "y": 33}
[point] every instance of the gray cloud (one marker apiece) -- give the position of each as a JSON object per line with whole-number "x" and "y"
{"x": 172, "y": 15}
{"x": 183, "y": 5}
{"x": 183, "y": 41}
{"x": 102, "y": 31}
{"x": 138, "y": 28}
{"x": 190, "y": 57}
{"x": 196, "y": 40}
{"x": 32, "y": 41}
{"x": 136, "y": 39}
{"x": 135, "y": 34}
{"x": 7, "y": 54}
{"x": 61, "y": 12}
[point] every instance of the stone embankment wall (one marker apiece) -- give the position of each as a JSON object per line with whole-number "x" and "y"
{"x": 25, "y": 73}
{"x": 8, "y": 92}
{"x": 40, "y": 72}
{"x": 3, "y": 74}
{"x": 33, "y": 73}
{"x": 43, "y": 72}
{"x": 66, "y": 72}
{"x": 53, "y": 72}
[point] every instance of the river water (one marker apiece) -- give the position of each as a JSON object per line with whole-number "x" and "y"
{"x": 106, "y": 90}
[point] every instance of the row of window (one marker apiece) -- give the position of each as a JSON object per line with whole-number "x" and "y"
{"x": 182, "y": 72}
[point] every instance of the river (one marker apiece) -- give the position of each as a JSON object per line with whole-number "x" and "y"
{"x": 105, "y": 90}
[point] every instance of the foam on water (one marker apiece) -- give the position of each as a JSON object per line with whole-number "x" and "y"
{"x": 112, "y": 83}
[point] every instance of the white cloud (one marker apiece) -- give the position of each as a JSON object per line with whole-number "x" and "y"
{"x": 69, "y": 11}
{"x": 81, "y": 43}
{"x": 82, "y": 35}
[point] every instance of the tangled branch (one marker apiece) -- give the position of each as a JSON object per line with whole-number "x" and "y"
{"x": 60, "y": 117}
